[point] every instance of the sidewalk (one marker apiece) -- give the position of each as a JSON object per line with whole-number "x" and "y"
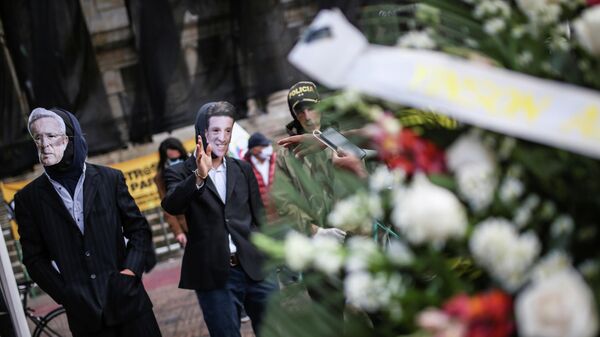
{"x": 177, "y": 310}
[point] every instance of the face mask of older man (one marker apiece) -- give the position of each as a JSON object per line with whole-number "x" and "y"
{"x": 50, "y": 139}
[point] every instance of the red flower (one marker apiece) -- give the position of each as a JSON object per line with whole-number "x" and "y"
{"x": 409, "y": 151}
{"x": 485, "y": 315}
{"x": 593, "y": 2}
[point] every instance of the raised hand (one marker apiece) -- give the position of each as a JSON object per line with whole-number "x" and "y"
{"x": 203, "y": 161}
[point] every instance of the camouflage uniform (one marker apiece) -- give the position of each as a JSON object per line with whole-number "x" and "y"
{"x": 303, "y": 190}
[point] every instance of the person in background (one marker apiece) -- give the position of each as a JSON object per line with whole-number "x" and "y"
{"x": 73, "y": 221}
{"x": 261, "y": 157}
{"x": 170, "y": 153}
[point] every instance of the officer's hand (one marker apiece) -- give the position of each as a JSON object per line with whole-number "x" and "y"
{"x": 335, "y": 233}
{"x": 203, "y": 161}
{"x": 302, "y": 145}
{"x": 350, "y": 163}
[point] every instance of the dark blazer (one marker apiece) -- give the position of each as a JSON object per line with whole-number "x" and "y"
{"x": 89, "y": 284}
{"x": 205, "y": 263}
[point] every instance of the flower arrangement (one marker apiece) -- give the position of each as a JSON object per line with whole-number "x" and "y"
{"x": 459, "y": 231}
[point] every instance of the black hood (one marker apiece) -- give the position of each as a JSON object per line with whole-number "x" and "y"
{"x": 69, "y": 169}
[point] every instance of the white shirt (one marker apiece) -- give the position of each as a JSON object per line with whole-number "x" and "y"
{"x": 263, "y": 168}
{"x": 219, "y": 178}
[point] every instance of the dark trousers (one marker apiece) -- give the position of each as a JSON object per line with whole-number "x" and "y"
{"x": 222, "y": 307}
{"x": 144, "y": 325}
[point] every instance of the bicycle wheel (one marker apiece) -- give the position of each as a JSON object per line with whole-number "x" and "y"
{"x": 54, "y": 324}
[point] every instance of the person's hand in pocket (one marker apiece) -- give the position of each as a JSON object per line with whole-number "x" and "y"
{"x": 127, "y": 272}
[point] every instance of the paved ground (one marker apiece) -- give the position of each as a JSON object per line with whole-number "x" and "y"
{"x": 176, "y": 310}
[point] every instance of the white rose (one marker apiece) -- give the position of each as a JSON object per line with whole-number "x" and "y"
{"x": 361, "y": 291}
{"x": 356, "y": 213}
{"x": 561, "y": 305}
{"x": 496, "y": 245}
{"x": 469, "y": 150}
{"x": 476, "y": 184}
{"x": 510, "y": 189}
{"x": 329, "y": 256}
{"x": 361, "y": 251}
{"x": 587, "y": 28}
{"x": 399, "y": 253}
{"x": 299, "y": 252}
{"x": 372, "y": 292}
{"x": 474, "y": 167}
{"x": 344, "y": 214}
{"x": 383, "y": 178}
{"x": 426, "y": 213}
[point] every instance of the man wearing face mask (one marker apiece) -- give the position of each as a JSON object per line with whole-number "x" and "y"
{"x": 221, "y": 202}
{"x": 73, "y": 222}
{"x": 170, "y": 153}
{"x": 262, "y": 158}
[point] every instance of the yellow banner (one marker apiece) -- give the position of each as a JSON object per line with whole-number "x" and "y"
{"x": 139, "y": 174}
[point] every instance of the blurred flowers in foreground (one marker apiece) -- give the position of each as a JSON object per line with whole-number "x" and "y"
{"x": 459, "y": 231}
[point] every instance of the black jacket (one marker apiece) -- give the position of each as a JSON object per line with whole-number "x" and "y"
{"x": 205, "y": 262}
{"x": 89, "y": 284}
